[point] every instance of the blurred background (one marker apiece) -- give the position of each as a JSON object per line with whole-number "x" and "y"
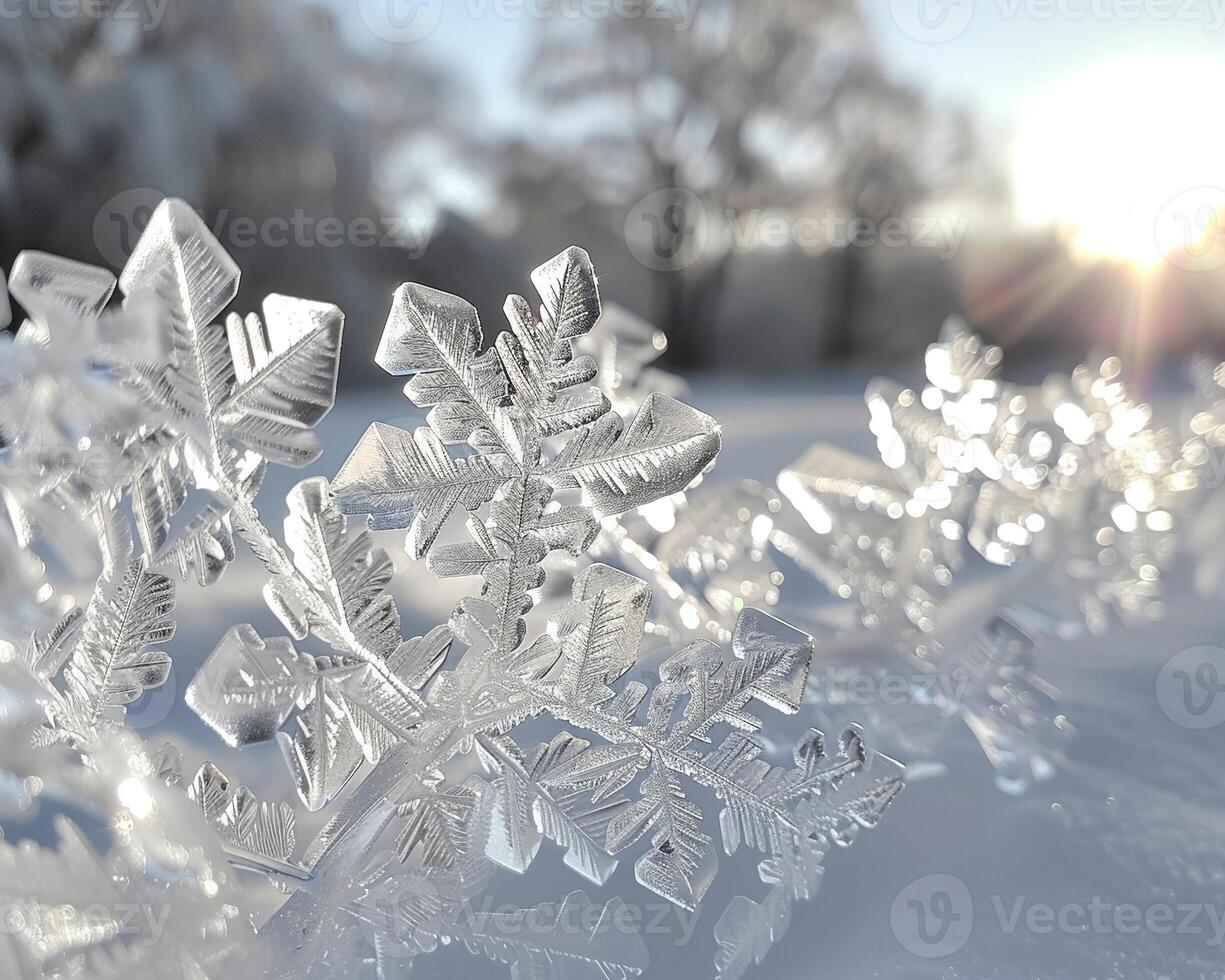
{"x": 779, "y": 185}
{"x": 798, "y": 193}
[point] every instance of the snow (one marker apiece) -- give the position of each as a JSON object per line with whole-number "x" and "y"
{"x": 1134, "y": 819}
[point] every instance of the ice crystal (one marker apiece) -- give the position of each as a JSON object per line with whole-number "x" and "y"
{"x": 707, "y": 561}
{"x": 139, "y": 432}
{"x": 507, "y": 403}
{"x": 1073, "y": 475}
{"x": 148, "y": 895}
{"x": 547, "y": 460}
{"x": 510, "y": 404}
{"x": 864, "y": 544}
{"x": 166, "y": 422}
{"x": 706, "y": 552}
{"x": 1070, "y": 484}
{"x": 1205, "y": 424}
{"x": 346, "y": 707}
{"x": 889, "y": 533}
{"x": 109, "y": 663}
{"x": 624, "y": 347}
{"x": 30, "y": 599}
{"x": 195, "y": 411}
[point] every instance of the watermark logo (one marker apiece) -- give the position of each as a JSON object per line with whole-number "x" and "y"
{"x": 398, "y": 912}
{"x": 671, "y": 229}
{"x": 1101, "y": 917}
{"x": 1208, "y": 13}
{"x": 940, "y": 21}
{"x": 403, "y": 914}
{"x": 120, "y": 222}
{"x": 668, "y": 230}
{"x": 1191, "y": 688}
{"x": 400, "y": 21}
{"x": 146, "y": 14}
{"x": 933, "y": 916}
{"x": 1190, "y": 229}
{"x": 137, "y": 924}
{"x": 932, "y": 21}
{"x": 839, "y": 687}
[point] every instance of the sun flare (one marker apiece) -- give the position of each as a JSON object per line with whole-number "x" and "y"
{"x": 1128, "y": 159}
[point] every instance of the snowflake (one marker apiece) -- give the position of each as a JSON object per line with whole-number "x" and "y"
{"x": 165, "y": 425}
{"x": 149, "y": 895}
{"x": 1072, "y": 477}
{"x": 1203, "y": 448}
{"x": 1070, "y": 482}
{"x": 708, "y": 560}
{"x": 140, "y": 431}
{"x": 507, "y": 404}
{"x": 208, "y": 406}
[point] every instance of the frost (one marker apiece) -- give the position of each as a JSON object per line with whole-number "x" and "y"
{"x": 508, "y": 403}
{"x": 1070, "y": 485}
{"x": 182, "y": 404}
{"x": 166, "y": 423}
{"x": 1072, "y": 476}
{"x": 144, "y": 893}
{"x": 536, "y": 433}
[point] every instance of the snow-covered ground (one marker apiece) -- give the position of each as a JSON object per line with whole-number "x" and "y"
{"x": 1114, "y": 868}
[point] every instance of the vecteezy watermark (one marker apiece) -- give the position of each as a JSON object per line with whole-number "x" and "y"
{"x": 121, "y": 220}
{"x": 147, "y": 13}
{"x": 1209, "y": 13}
{"x": 1191, "y": 687}
{"x": 1210, "y": 458}
{"x": 834, "y": 229}
{"x": 932, "y": 21}
{"x": 136, "y": 923}
{"x": 671, "y": 229}
{"x": 400, "y": 21}
{"x": 934, "y": 917}
{"x": 938, "y": 21}
{"x": 838, "y": 687}
{"x": 1018, "y": 913}
{"x": 404, "y": 913}
{"x": 407, "y": 21}
{"x": 668, "y": 230}
{"x": 1190, "y": 229}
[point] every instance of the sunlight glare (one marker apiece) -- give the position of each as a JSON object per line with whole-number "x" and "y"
{"x": 1128, "y": 158}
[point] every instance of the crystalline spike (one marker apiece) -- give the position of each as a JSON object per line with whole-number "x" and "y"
{"x": 44, "y": 283}
{"x": 494, "y": 400}
{"x": 662, "y": 451}
{"x": 374, "y": 722}
{"x": 249, "y": 686}
{"x": 177, "y": 244}
{"x": 286, "y": 365}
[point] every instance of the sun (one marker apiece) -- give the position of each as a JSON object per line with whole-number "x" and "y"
{"x": 1128, "y": 158}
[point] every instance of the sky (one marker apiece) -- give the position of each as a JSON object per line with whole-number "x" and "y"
{"x": 1010, "y": 51}
{"x": 1105, "y": 109}
{"x": 1001, "y": 54}
{"x": 1088, "y": 101}
{"x": 488, "y": 52}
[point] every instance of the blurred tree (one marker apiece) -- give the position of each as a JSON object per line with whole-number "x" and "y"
{"x": 893, "y": 151}
{"x": 255, "y": 111}
{"x": 690, "y": 121}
